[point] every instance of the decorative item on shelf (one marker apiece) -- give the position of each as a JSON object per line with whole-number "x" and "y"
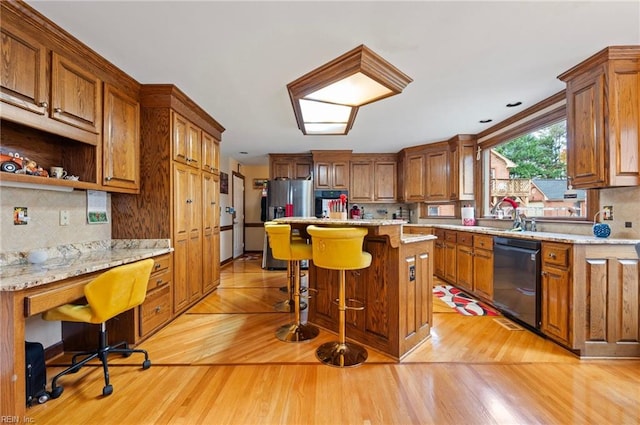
{"x": 600, "y": 230}
{"x": 14, "y": 163}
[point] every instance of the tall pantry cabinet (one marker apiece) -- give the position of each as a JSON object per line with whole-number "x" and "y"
{"x": 179, "y": 193}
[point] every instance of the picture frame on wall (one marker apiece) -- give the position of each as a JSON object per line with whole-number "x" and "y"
{"x": 224, "y": 182}
{"x": 259, "y": 183}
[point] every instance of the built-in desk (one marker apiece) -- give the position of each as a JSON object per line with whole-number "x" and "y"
{"x": 396, "y": 289}
{"x": 27, "y": 290}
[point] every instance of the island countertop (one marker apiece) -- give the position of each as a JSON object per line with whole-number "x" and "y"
{"x": 76, "y": 260}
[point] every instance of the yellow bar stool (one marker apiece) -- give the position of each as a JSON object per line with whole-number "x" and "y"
{"x": 340, "y": 248}
{"x": 292, "y": 251}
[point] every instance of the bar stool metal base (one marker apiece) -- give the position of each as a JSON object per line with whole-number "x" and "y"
{"x": 339, "y": 354}
{"x": 297, "y": 332}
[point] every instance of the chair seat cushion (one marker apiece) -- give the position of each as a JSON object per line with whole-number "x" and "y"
{"x": 70, "y": 313}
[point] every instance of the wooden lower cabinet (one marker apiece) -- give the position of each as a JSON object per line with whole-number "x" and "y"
{"x": 415, "y": 294}
{"x": 450, "y": 257}
{"x": 483, "y": 266}
{"x": 464, "y": 261}
{"x": 395, "y": 290}
{"x": 556, "y": 291}
{"x": 438, "y": 254}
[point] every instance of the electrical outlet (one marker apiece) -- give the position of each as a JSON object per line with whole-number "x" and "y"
{"x": 627, "y": 224}
{"x": 64, "y": 217}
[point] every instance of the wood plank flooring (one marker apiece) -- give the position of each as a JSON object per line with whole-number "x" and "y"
{"x": 220, "y": 363}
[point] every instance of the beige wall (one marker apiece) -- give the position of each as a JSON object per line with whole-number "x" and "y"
{"x": 626, "y": 207}
{"x": 254, "y": 232}
{"x": 43, "y": 229}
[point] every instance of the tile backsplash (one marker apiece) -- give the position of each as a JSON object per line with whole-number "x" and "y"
{"x": 43, "y": 229}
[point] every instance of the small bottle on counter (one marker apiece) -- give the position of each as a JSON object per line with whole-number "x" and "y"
{"x": 534, "y": 228}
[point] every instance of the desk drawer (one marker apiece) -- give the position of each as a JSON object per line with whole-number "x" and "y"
{"x": 161, "y": 263}
{"x": 159, "y": 279}
{"x": 556, "y": 254}
{"x": 156, "y": 310}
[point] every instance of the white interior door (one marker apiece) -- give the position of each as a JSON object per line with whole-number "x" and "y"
{"x": 238, "y": 216}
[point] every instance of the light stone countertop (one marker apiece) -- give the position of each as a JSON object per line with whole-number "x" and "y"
{"x": 540, "y": 236}
{"x": 336, "y": 221}
{"x": 76, "y": 260}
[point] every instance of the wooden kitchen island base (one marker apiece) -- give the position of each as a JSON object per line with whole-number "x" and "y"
{"x": 396, "y": 289}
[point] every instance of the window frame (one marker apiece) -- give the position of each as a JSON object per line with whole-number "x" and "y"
{"x": 549, "y": 111}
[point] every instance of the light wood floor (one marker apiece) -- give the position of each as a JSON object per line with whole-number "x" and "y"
{"x": 220, "y": 364}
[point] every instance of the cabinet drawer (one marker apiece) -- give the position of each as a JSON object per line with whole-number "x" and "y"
{"x": 556, "y": 254}
{"x": 159, "y": 279}
{"x": 450, "y": 236}
{"x": 162, "y": 262}
{"x": 483, "y": 242}
{"x": 156, "y": 310}
{"x": 465, "y": 238}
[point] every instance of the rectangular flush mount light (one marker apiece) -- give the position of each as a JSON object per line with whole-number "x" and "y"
{"x": 326, "y": 100}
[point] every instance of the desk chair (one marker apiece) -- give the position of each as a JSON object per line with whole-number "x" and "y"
{"x": 113, "y": 292}
{"x": 340, "y": 248}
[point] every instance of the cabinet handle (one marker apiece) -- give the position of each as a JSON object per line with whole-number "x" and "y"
{"x": 189, "y": 201}
{"x": 158, "y": 309}
{"x": 552, "y": 255}
{"x": 213, "y": 203}
{"x": 108, "y": 178}
{"x": 44, "y": 105}
{"x": 58, "y": 110}
{"x": 157, "y": 266}
{"x": 423, "y": 256}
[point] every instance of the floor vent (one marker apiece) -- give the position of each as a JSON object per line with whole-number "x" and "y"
{"x": 508, "y": 324}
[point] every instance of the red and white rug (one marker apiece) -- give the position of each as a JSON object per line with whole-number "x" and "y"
{"x": 461, "y": 302}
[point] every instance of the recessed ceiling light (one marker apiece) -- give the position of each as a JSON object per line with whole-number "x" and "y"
{"x": 244, "y": 153}
{"x": 513, "y": 104}
{"x": 485, "y": 121}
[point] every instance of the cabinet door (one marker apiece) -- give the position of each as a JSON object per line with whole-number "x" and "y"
{"x": 323, "y": 175}
{"x": 179, "y": 136}
{"x": 438, "y": 254}
{"x": 585, "y": 132}
{"x": 556, "y": 293}
{"x": 416, "y": 296}
{"x": 181, "y": 210}
{"x": 361, "y": 187}
{"x": 437, "y": 175}
{"x": 210, "y": 154}
{"x": 194, "y": 145}
{"x": 76, "y": 95}
{"x": 24, "y": 71}
{"x": 208, "y": 209}
{"x": 464, "y": 263}
{"x": 302, "y": 169}
{"x": 340, "y": 175}
{"x": 414, "y": 189}
{"x": 180, "y": 264}
{"x": 121, "y": 141}
{"x": 483, "y": 273}
{"x": 385, "y": 181}
{"x": 450, "y": 263}
{"x": 194, "y": 270}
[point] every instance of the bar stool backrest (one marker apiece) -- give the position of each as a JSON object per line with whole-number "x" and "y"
{"x": 339, "y": 248}
{"x": 279, "y": 240}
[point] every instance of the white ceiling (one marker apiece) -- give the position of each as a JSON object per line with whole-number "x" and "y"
{"x": 467, "y": 59}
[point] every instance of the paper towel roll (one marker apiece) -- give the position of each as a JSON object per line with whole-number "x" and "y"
{"x": 468, "y": 216}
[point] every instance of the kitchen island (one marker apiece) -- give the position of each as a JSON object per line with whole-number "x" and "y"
{"x": 396, "y": 288}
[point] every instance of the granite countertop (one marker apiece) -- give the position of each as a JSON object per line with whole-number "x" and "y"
{"x": 411, "y": 238}
{"x": 75, "y": 260}
{"x": 540, "y": 236}
{"x": 336, "y": 221}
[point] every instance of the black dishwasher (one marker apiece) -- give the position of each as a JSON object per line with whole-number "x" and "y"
{"x": 516, "y": 279}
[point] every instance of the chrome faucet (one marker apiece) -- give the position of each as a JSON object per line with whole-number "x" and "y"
{"x": 513, "y": 203}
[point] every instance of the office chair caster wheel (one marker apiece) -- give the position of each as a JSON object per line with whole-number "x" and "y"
{"x": 146, "y": 364}
{"x": 107, "y": 390}
{"x": 127, "y": 354}
{"x": 56, "y": 392}
{"x": 44, "y": 398}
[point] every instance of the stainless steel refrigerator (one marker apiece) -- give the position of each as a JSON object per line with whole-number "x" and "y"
{"x": 298, "y": 195}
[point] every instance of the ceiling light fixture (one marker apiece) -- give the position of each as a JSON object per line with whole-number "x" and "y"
{"x": 326, "y": 100}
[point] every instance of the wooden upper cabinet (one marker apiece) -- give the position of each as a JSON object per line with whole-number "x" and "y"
{"x": 186, "y": 141}
{"x": 362, "y": 181}
{"x": 76, "y": 95}
{"x": 437, "y": 174}
{"x": 23, "y": 77}
{"x": 121, "y": 140}
{"x": 373, "y": 178}
{"x": 462, "y": 167}
{"x": 290, "y": 166}
{"x": 331, "y": 169}
{"x": 414, "y": 177}
{"x": 603, "y": 119}
{"x": 210, "y": 153}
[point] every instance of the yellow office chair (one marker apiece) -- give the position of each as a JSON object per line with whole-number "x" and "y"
{"x": 113, "y": 292}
